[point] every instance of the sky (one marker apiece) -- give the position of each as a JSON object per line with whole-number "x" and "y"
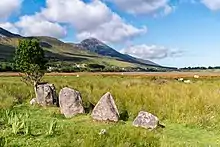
{"x": 177, "y": 33}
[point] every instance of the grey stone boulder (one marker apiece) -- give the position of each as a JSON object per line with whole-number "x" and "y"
{"x": 105, "y": 109}
{"x": 146, "y": 120}
{"x": 70, "y": 102}
{"x": 46, "y": 94}
{"x": 33, "y": 101}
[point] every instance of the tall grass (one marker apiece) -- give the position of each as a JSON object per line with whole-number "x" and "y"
{"x": 178, "y": 105}
{"x": 52, "y": 127}
{"x": 197, "y": 103}
{"x": 13, "y": 91}
{"x": 19, "y": 123}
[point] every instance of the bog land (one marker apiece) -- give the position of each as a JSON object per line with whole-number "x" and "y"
{"x": 189, "y": 111}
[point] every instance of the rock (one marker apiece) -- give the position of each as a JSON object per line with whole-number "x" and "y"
{"x": 70, "y": 102}
{"x": 103, "y": 132}
{"x": 46, "y": 94}
{"x": 33, "y": 101}
{"x": 146, "y": 120}
{"x": 105, "y": 109}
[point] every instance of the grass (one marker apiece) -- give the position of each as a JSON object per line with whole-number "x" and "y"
{"x": 117, "y": 63}
{"x": 190, "y": 113}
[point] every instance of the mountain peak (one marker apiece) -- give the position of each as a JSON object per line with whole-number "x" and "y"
{"x": 93, "y": 41}
{"x": 96, "y": 46}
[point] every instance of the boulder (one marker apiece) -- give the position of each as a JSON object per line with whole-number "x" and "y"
{"x": 146, "y": 120}
{"x": 70, "y": 102}
{"x": 105, "y": 109}
{"x": 46, "y": 94}
{"x": 33, "y": 101}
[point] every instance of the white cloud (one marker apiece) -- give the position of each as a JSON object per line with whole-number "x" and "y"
{"x": 82, "y": 16}
{"x": 151, "y": 52}
{"x": 141, "y": 6}
{"x": 36, "y": 25}
{"x": 92, "y": 19}
{"x": 113, "y": 31}
{"x": 89, "y": 19}
{"x": 7, "y": 7}
{"x": 212, "y": 4}
{"x": 10, "y": 27}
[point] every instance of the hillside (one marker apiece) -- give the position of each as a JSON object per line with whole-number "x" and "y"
{"x": 94, "y": 45}
{"x": 88, "y": 51}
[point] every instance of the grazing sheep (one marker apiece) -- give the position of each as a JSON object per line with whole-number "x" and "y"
{"x": 180, "y": 79}
{"x": 187, "y": 81}
{"x": 196, "y": 76}
{"x": 77, "y": 76}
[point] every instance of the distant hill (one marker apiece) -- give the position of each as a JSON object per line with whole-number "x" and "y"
{"x": 5, "y": 33}
{"x": 89, "y": 50}
{"x": 96, "y": 46}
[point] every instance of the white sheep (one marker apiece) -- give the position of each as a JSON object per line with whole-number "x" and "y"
{"x": 187, "y": 81}
{"x": 180, "y": 79}
{"x": 196, "y": 76}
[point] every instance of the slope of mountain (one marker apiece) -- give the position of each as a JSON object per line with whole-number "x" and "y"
{"x": 5, "y": 33}
{"x": 88, "y": 51}
{"x": 100, "y": 48}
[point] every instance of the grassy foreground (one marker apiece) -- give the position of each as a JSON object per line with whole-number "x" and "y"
{"x": 190, "y": 112}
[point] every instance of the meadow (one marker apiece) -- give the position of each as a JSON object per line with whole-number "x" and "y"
{"x": 190, "y": 113}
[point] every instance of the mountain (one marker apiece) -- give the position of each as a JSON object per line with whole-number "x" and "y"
{"x": 96, "y": 46}
{"x": 5, "y": 33}
{"x": 88, "y": 51}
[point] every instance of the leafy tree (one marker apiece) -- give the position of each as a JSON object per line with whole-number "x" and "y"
{"x": 29, "y": 59}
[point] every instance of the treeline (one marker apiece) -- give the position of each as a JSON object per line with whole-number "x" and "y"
{"x": 200, "y": 68}
{"x": 93, "y": 67}
{"x": 90, "y": 67}
{"x": 6, "y": 66}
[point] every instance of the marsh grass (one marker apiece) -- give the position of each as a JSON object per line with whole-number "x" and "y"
{"x": 190, "y": 112}
{"x": 52, "y": 127}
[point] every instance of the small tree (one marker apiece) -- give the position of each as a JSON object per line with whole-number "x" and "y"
{"x": 29, "y": 59}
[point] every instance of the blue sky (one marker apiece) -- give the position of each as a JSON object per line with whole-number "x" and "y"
{"x": 169, "y": 32}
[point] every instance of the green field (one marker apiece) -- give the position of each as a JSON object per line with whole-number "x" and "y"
{"x": 190, "y": 112}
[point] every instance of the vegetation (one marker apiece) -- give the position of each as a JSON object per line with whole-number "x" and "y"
{"x": 6, "y": 66}
{"x": 89, "y": 67}
{"x": 58, "y": 51}
{"x": 29, "y": 59}
{"x": 199, "y": 68}
{"x": 190, "y": 113}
